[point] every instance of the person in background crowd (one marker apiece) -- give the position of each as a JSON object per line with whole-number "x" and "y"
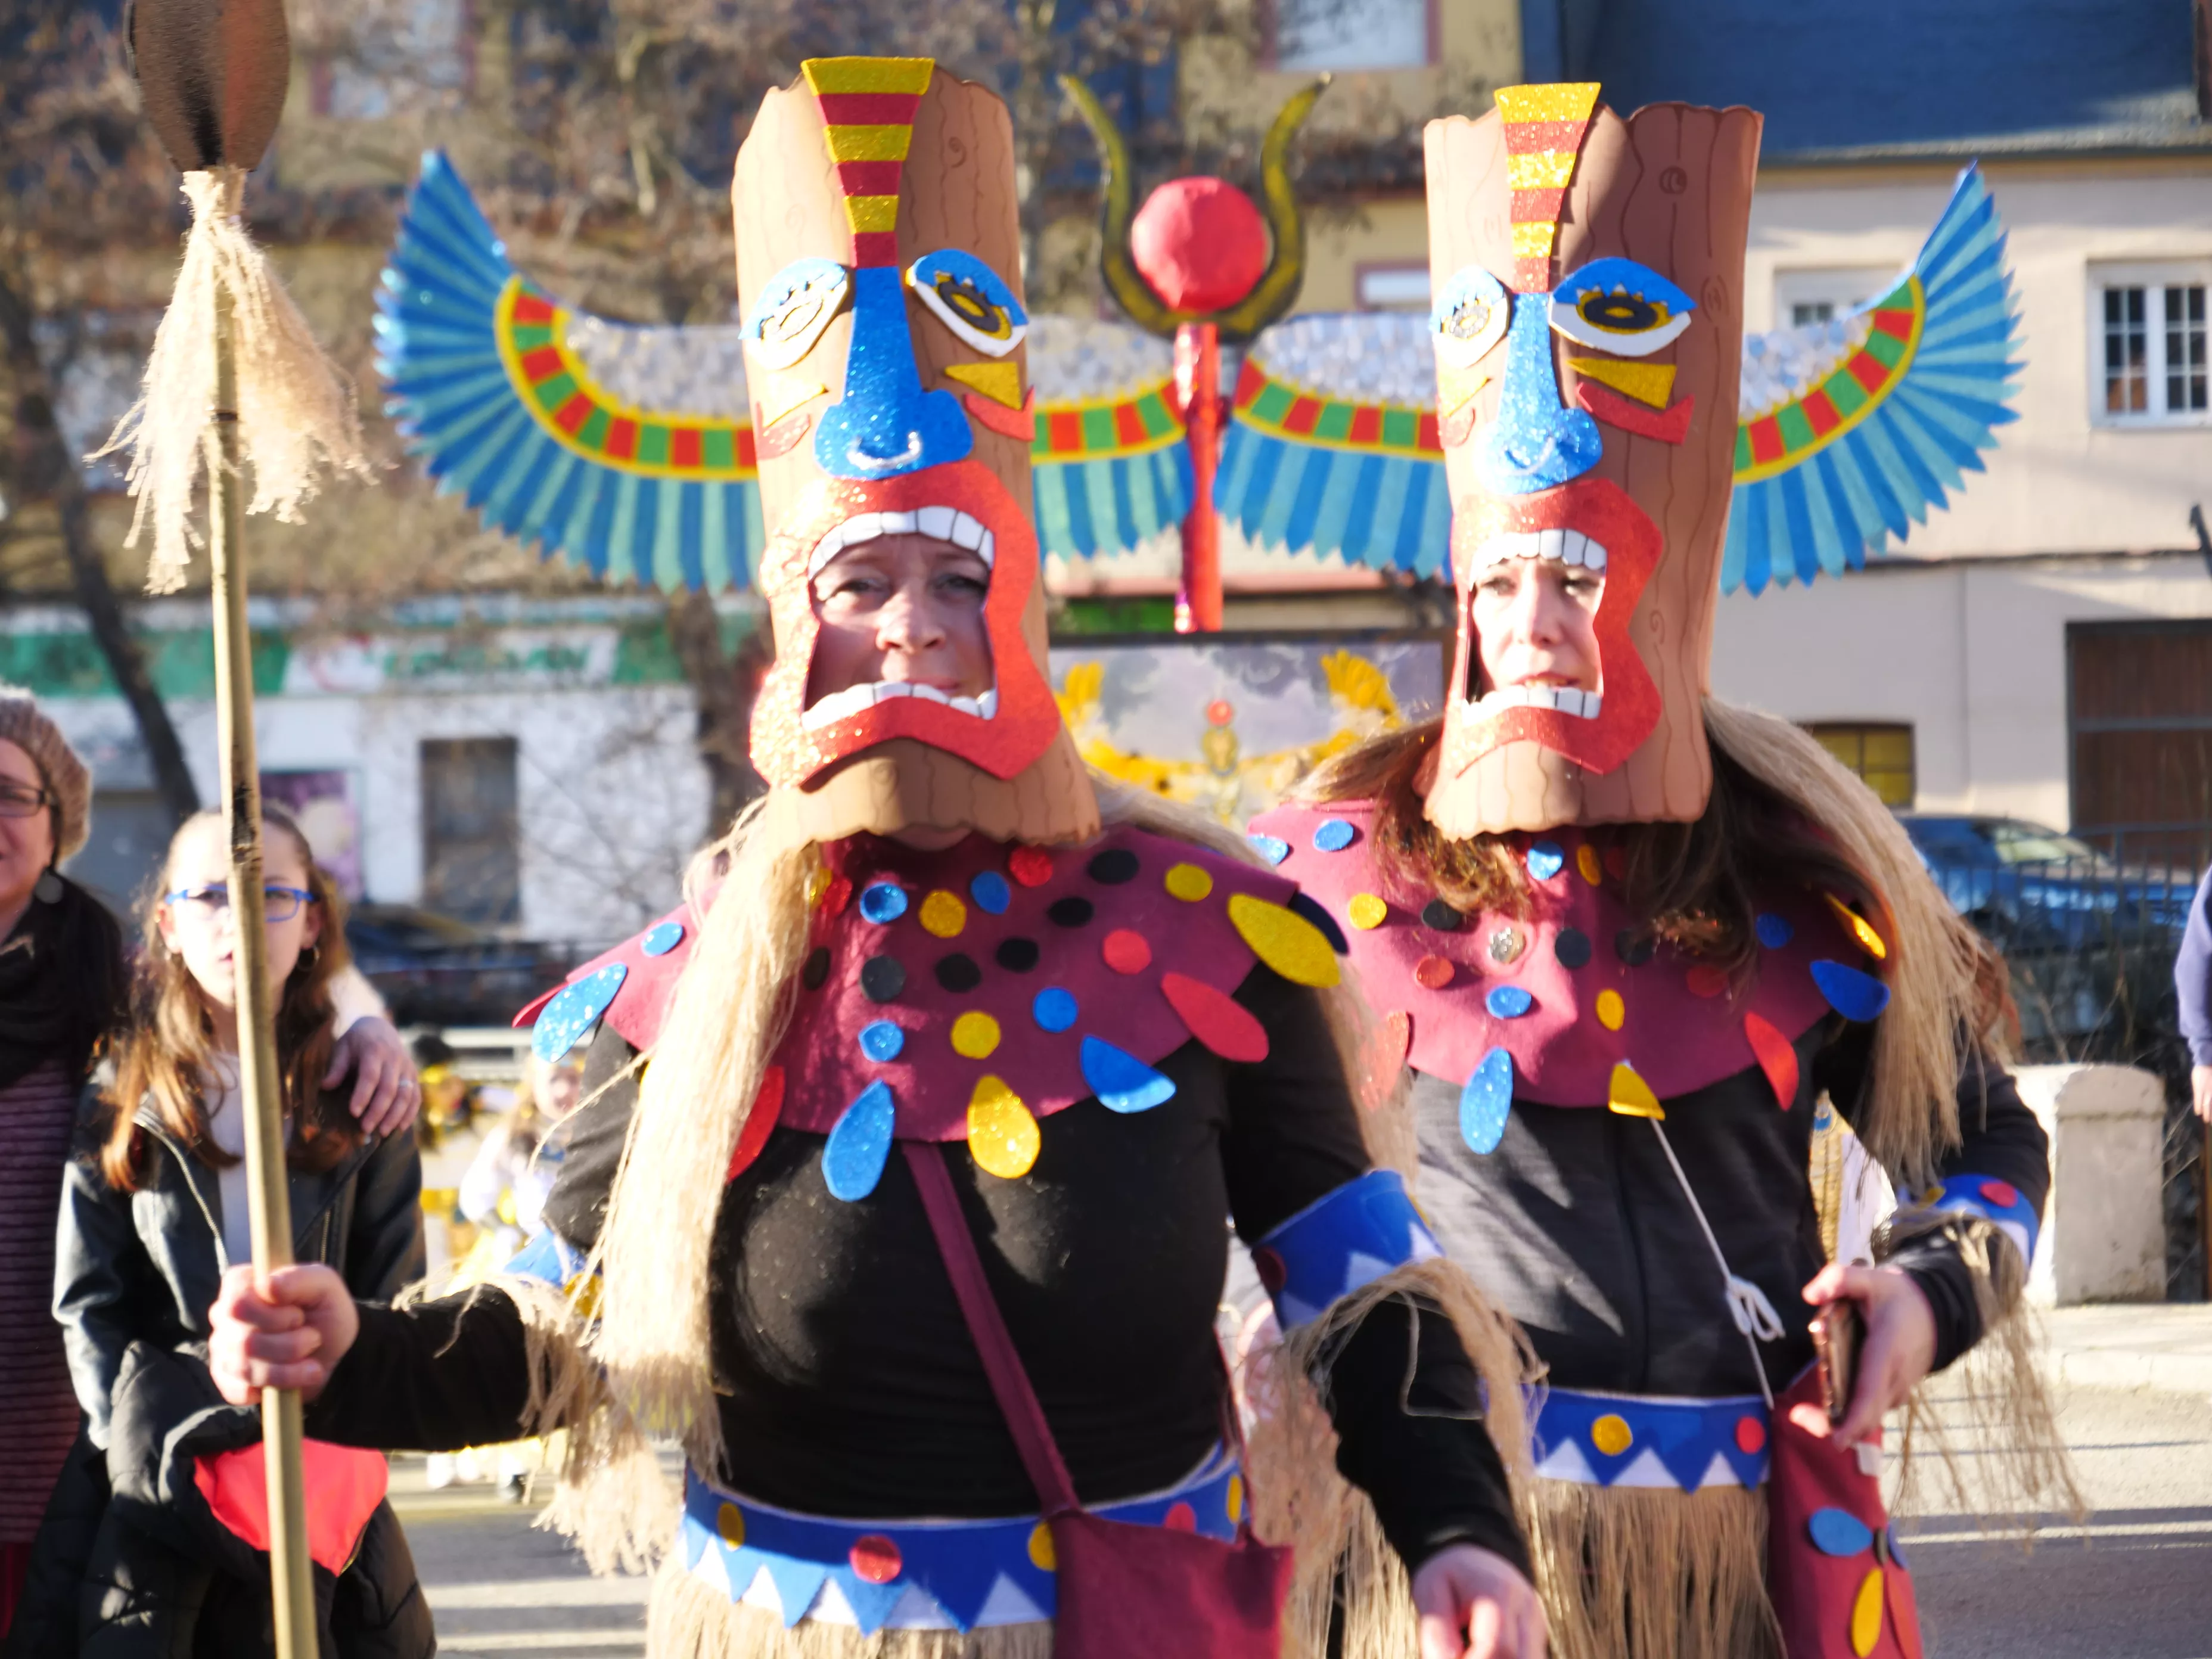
{"x": 141, "y": 1548}
{"x": 62, "y": 980}
{"x": 2192, "y": 983}
{"x": 502, "y": 1201}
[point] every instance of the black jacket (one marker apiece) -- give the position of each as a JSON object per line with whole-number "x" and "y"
{"x": 129, "y": 1562}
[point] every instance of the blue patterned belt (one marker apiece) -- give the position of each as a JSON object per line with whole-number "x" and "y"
{"x": 1649, "y": 1440}
{"x": 916, "y": 1575}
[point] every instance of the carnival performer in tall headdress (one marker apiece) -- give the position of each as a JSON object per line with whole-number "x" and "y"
{"x": 929, "y": 1107}
{"x": 1622, "y": 936}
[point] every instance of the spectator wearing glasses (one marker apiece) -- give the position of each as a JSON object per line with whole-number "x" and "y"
{"x": 61, "y": 988}
{"x": 133, "y": 1555}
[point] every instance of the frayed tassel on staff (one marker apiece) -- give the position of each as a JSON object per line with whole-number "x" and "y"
{"x": 687, "y": 1619}
{"x": 296, "y": 407}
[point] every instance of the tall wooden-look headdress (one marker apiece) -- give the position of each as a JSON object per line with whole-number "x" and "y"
{"x": 1588, "y": 330}
{"x": 879, "y": 266}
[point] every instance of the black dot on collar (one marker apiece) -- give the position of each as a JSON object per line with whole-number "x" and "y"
{"x": 1113, "y": 867}
{"x": 1070, "y": 911}
{"x": 882, "y": 978}
{"x": 958, "y": 972}
{"x": 816, "y": 968}
{"x": 1016, "y": 956}
{"x": 1634, "y": 946}
{"x": 1441, "y": 916}
{"x": 1572, "y": 947}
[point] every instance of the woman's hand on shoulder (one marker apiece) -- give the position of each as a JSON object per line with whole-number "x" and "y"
{"x": 385, "y": 1096}
{"x": 292, "y": 1337}
{"x": 1475, "y": 1604}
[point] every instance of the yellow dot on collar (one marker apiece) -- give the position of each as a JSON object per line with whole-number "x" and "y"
{"x": 816, "y": 885}
{"x": 1002, "y": 1136}
{"x": 1041, "y": 1552}
{"x": 1611, "y": 1435}
{"x": 1630, "y": 1095}
{"x": 1861, "y": 929}
{"x": 1285, "y": 940}
{"x": 1366, "y": 910}
{"x": 730, "y": 1525}
{"x": 943, "y": 914}
{"x": 1235, "y": 1498}
{"x": 1611, "y": 1010}
{"x": 1188, "y": 883}
{"x": 1587, "y": 863}
{"x": 975, "y": 1036}
{"x": 1866, "y": 1614}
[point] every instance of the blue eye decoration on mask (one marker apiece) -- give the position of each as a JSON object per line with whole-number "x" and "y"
{"x": 790, "y": 314}
{"x": 1469, "y": 317}
{"x": 968, "y": 298}
{"x": 1621, "y": 306}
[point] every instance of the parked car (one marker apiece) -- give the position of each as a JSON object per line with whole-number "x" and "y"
{"x": 2027, "y": 887}
{"x": 433, "y": 970}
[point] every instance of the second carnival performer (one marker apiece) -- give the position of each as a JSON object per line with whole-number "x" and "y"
{"x": 928, "y": 1109}
{"x": 1622, "y": 936}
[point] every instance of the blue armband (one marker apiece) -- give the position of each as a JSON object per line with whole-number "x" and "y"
{"x": 548, "y": 1258}
{"x": 1998, "y": 1202}
{"x": 1340, "y": 1242}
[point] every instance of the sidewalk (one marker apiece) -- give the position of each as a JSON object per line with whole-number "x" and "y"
{"x": 2167, "y": 1346}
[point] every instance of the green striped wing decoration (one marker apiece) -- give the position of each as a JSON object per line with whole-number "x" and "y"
{"x": 627, "y": 450}
{"x": 1108, "y": 469}
{"x": 1332, "y": 446}
{"x": 1850, "y": 431}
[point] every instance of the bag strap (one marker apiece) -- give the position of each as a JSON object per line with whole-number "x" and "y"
{"x": 1010, "y": 1383}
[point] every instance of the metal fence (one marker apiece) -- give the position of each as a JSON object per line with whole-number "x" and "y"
{"x": 2091, "y": 942}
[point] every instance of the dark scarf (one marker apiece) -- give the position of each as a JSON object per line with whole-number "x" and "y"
{"x": 61, "y": 985}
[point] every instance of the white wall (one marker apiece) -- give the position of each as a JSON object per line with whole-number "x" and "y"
{"x": 612, "y": 796}
{"x": 1971, "y": 654}
{"x": 2058, "y": 482}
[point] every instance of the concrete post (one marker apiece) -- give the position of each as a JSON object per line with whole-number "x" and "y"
{"x": 2103, "y": 1231}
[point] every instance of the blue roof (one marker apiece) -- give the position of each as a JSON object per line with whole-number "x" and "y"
{"x": 1892, "y": 77}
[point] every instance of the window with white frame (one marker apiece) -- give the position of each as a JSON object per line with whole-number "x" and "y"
{"x": 1821, "y": 296}
{"x": 1353, "y": 34}
{"x": 2151, "y": 333}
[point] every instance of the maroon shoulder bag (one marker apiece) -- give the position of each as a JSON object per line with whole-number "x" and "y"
{"x": 1123, "y": 1588}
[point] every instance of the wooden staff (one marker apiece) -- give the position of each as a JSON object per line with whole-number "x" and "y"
{"x": 213, "y": 75}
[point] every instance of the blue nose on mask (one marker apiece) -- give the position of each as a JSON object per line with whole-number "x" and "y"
{"x": 885, "y": 423}
{"x": 1537, "y": 443}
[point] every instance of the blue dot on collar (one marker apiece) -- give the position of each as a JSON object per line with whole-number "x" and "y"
{"x": 1508, "y": 1002}
{"x": 1333, "y": 834}
{"x": 881, "y": 1041}
{"x": 1546, "y": 859}
{"x": 1274, "y": 849}
{"x": 883, "y": 901}
{"x": 990, "y": 892}
{"x": 1054, "y": 1010}
{"x": 662, "y": 940}
{"x": 1774, "y": 932}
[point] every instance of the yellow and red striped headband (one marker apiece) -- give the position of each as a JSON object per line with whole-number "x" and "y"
{"x": 867, "y": 109}
{"x": 1544, "y": 132}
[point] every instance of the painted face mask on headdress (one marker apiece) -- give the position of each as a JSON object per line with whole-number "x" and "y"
{"x": 879, "y": 268}
{"x": 1588, "y": 327}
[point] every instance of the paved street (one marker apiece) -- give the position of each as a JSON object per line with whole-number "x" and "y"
{"x": 2135, "y": 1583}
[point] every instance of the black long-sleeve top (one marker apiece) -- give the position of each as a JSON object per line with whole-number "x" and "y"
{"x": 847, "y": 1381}
{"x": 1577, "y": 1225}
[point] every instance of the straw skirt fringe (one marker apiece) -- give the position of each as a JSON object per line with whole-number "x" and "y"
{"x": 1648, "y": 1573}
{"x": 688, "y": 1619}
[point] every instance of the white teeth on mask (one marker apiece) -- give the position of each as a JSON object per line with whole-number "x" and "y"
{"x": 1569, "y": 547}
{"x": 1566, "y": 699}
{"x": 855, "y": 699}
{"x": 939, "y": 524}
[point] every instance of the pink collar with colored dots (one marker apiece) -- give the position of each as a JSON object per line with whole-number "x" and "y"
{"x": 1575, "y": 991}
